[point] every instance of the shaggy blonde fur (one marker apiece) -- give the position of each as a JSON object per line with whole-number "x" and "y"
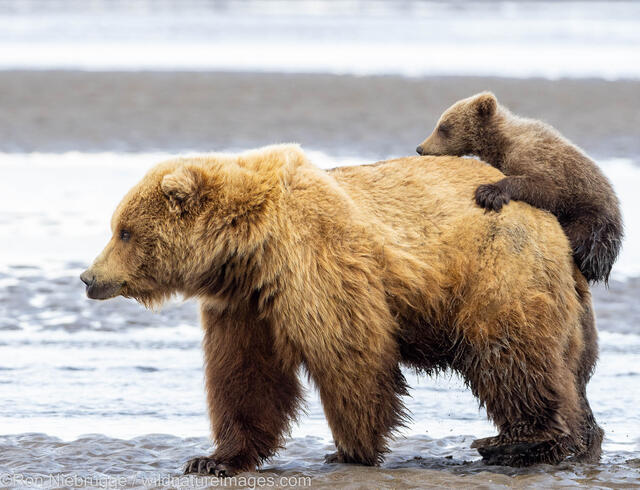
{"x": 348, "y": 273}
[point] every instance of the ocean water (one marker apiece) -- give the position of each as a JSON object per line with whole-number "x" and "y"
{"x": 413, "y": 38}
{"x": 105, "y": 390}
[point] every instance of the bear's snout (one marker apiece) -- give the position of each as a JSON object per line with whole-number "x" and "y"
{"x": 99, "y": 289}
{"x": 87, "y": 278}
{"x": 419, "y": 150}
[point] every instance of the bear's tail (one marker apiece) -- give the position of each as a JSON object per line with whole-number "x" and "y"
{"x": 596, "y": 243}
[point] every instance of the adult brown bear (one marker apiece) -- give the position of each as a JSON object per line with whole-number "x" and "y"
{"x": 350, "y": 273}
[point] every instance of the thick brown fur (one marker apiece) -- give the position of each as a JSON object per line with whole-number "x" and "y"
{"x": 543, "y": 169}
{"x": 348, "y": 274}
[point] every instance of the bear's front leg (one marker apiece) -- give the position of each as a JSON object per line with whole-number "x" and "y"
{"x": 357, "y": 374}
{"x": 362, "y": 409}
{"x": 253, "y": 394}
{"x": 538, "y": 190}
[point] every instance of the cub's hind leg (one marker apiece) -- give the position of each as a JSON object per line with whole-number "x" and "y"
{"x": 595, "y": 240}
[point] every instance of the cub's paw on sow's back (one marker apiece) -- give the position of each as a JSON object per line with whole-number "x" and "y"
{"x": 343, "y": 272}
{"x": 542, "y": 168}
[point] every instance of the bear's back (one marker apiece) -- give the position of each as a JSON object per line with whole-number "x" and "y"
{"x": 412, "y": 191}
{"x": 426, "y": 205}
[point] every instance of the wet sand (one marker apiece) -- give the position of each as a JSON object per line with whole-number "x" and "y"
{"x": 151, "y": 461}
{"x": 54, "y": 111}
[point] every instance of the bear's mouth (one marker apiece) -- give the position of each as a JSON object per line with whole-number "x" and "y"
{"x": 98, "y": 290}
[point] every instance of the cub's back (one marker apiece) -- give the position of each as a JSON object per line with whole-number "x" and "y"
{"x": 539, "y": 147}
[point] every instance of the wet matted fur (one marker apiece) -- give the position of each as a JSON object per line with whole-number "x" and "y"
{"x": 348, "y": 274}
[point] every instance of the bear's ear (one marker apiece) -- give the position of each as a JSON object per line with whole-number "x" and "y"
{"x": 486, "y": 104}
{"x": 183, "y": 188}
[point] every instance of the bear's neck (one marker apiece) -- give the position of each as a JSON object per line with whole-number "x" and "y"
{"x": 492, "y": 146}
{"x": 242, "y": 279}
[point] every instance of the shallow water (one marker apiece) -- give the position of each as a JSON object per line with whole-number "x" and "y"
{"x": 415, "y": 38}
{"x": 132, "y": 379}
{"x": 417, "y": 462}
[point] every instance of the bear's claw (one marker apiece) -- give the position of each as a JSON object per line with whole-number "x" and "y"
{"x": 491, "y": 197}
{"x": 484, "y": 442}
{"x": 523, "y": 453}
{"x": 341, "y": 458}
{"x": 206, "y": 465}
{"x": 336, "y": 457}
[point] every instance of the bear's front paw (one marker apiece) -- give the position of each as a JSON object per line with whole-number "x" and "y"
{"x": 342, "y": 458}
{"x": 207, "y": 465}
{"x": 491, "y": 197}
{"x": 333, "y": 458}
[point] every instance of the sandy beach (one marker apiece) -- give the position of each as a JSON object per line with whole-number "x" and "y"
{"x": 369, "y": 117}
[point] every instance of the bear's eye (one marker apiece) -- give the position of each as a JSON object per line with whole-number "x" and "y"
{"x": 125, "y": 235}
{"x": 443, "y": 130}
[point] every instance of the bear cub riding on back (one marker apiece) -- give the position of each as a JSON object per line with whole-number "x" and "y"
{"x": 542, "y": 168}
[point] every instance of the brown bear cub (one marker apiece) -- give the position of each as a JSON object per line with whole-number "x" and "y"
{"x": 542, "y": 168}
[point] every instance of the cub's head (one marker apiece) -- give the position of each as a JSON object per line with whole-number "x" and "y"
{"x": 173, "y": 232}
{"x": 459, "y": 129}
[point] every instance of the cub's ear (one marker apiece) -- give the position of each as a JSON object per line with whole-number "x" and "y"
{"x": 184, "y": 188}
{"x": 486, "y": 104}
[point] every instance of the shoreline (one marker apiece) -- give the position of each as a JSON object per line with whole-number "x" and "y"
{"x": 365, "y": 116}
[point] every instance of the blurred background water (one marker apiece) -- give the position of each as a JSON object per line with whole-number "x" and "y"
{"x": 93, "y": 93}
{"x": 414, "y": 38}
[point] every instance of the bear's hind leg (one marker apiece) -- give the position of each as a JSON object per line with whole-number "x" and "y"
{"x": 531, "y": 396}
{"x": 591, "y": 433}
{"x": 596, "y": 240}
{"x": 252, "y": 393}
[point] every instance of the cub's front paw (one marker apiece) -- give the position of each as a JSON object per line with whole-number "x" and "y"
{"x": 491, "y": 197}
{"x": 207, "y": 465}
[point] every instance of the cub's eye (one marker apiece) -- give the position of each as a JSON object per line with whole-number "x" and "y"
{"x": 125, "y": 235}
{"x": 443, "y": 130}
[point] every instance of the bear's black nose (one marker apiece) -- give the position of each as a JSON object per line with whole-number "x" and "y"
{"x": 419, "y": 150}
{"x": 87, "y": 278}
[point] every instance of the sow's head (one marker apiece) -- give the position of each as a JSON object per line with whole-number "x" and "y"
{"x": 174, "y": 231}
